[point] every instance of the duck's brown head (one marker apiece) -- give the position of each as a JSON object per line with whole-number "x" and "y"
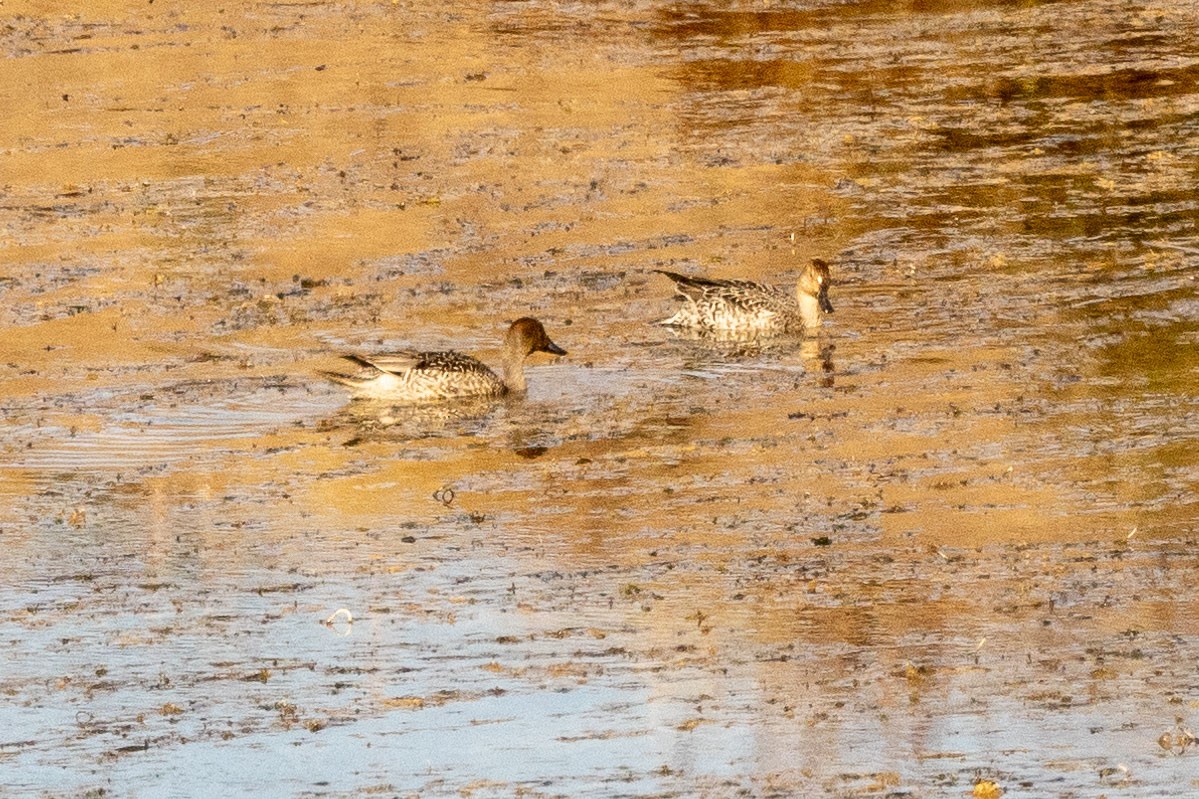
{"x": 526, "y": 335}
{"x": 815, "y": 282}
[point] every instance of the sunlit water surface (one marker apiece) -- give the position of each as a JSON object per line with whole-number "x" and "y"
{"x": 947, "y": 542}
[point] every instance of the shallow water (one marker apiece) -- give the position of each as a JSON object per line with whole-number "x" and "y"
{"x": 947, "y": 542}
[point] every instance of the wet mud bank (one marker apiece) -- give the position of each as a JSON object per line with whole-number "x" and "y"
{"x": 943, "y": 546}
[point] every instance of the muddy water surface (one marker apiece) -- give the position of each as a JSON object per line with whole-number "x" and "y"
{"x": 945, "y": 547}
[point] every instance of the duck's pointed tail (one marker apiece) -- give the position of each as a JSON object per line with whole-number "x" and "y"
{"x": 341, "y": 378}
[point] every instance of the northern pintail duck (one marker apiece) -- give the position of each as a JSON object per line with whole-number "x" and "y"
{"x": 410, "y": 376}
{"x": 745, "y": 306}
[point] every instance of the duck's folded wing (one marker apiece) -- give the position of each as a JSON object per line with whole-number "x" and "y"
{"x": 451, "y": 361}
{"x": 742, "y": 295}
{"x": 392, "y": 362}
{"x": 751, "y": 297}
{"x": 697, "y": 287}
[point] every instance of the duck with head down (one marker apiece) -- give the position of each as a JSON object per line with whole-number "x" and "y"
{"x": 411, "y": 376}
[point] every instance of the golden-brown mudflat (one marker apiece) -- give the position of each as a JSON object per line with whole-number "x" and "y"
{"x": 946, "y": 547}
